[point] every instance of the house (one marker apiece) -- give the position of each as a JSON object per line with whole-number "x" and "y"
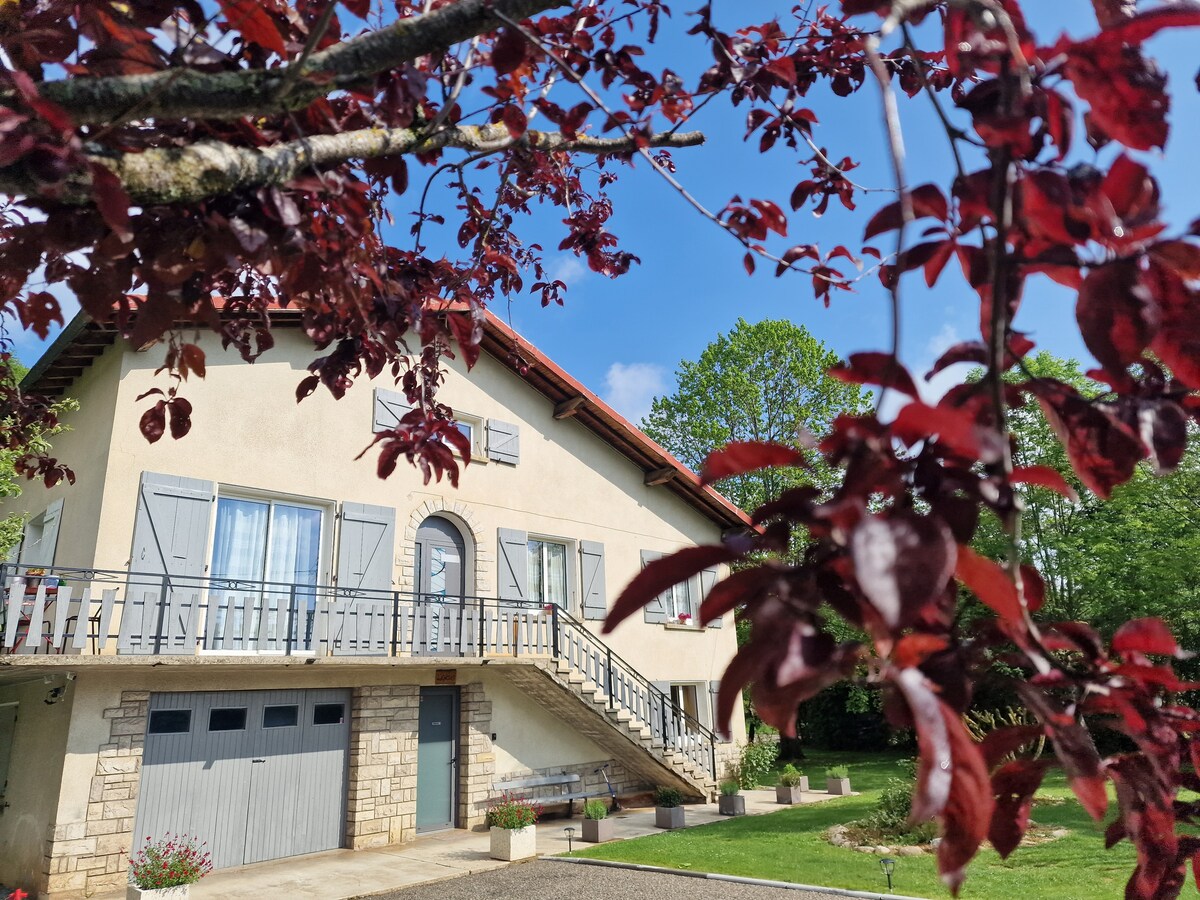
{"x": 246, "y": 636}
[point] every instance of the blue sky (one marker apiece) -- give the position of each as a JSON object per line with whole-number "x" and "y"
{"x": 624, "y": 337}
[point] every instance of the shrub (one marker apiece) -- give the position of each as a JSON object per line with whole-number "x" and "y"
{"x": 169, "y": 862}
{"x": 667, "y": 797}
{"x": 889, "y": 819}
{"x": 790, "y": 776}
{"x": 513, "y": 813}
{"x": 837, "y": 772}
{"x": 595, "y": 809}
{"x": 730, "y": 788}
{"x": 758, "y": 757}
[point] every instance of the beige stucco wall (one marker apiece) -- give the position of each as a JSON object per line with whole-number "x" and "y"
{"x": 35, "y": 772}
{"x": 85, "y": 448}
{"x": 250, "y": 432}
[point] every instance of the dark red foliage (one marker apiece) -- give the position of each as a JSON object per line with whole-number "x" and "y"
{"x": 886, "y": 548}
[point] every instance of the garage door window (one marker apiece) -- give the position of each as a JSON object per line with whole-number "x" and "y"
{"x": 281, "y": 716}
{"x": 228, "y": 719}
{"x": 329, "y": 713}
{"x": 170, "y": 721}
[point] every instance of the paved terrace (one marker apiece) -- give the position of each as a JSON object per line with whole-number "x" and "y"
{"x": 343, "y": 874}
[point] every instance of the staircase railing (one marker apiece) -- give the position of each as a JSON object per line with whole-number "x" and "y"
{"x": 95, "y": 611}
{"x": 627, "y": 689}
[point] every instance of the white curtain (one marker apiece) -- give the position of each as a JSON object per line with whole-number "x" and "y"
{"x": 293, "y": 559}
{"x": 239, "y": 553}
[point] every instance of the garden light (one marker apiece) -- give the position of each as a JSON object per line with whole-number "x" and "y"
{"x": 570, "y": 836}
{"x": 888, "y": 865}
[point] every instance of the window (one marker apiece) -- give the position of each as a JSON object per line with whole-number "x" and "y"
{"x": 686, "y": 699}
{"x": 548, "y": 572}
{"x": 266, "y": 540}
{"x": 281, "y": 716}
{"x": 227, "y": 719}
{"x": 678, "y": 600}
{"x": 329, "y": 713}
{"x": 169, "y": 721}
{"x": 471, "y": 427}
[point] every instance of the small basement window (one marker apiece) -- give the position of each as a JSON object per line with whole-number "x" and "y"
{"x": 329, "y": 714}
{"x": 169, "y": 721}
{"x": 281, "y": 716}
{"x": 227, "y": 719}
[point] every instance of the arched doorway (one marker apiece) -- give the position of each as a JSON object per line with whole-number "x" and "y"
{"x": 441, "y": 584}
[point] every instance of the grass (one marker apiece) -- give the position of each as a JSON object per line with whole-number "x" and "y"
{"x": 790, "y": 846}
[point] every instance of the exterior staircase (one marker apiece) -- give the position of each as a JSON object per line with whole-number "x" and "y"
{"x": 584, "y": 706}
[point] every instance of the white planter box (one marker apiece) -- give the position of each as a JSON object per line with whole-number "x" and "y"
{"x": 597, "y": 831}
{"x": 514, "y": 843}
{"x": 838, "y": 786}
{"x": 668, "y": 817}
{"x": 791, "y": 795}
{"x": 179, "y": 892}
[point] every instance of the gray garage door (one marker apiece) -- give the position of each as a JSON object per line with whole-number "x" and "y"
{"x": 256, "y": 774}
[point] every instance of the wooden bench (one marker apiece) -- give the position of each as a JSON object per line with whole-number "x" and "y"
{"x": 564, "y": 781}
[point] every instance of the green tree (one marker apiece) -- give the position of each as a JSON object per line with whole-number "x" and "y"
{"x": 1104, "y": 563}
{"x": 766, "y": 381}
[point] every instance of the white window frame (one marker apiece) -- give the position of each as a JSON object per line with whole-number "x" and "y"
{"x": 569, "y": 565}
{"x": 327, "y": 508}
{"x": 477, "y": 426}
{"x": 31, "y": 541}
{"x": 698, "y": 690}
{"x": 673, "y": 597}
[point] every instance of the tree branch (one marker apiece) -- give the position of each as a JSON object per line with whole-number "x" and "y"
{"x": 179, "y": 94}
{"x": 212, "y": 168}
{"x": 1113, "y": 12}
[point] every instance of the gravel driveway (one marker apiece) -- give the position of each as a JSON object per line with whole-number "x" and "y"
{"x": 563, "y": 881}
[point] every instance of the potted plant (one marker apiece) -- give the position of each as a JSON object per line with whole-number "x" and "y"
{"x": 792, "y": 785}
{"x": 731, "y": 802}
{"x": 164, "y": 869}
{"x": 668, "y": 808}
{"x": 597, "y": 826}
{"x": 512, "y": 833}
{"x": 837, "y": 780}
{"x": 683, "y": 619}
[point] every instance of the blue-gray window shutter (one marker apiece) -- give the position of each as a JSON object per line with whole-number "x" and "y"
{"x": 656, "y": 609}
{"x": 366, "y": 544}
{"x": 39, "y": 551}
{"x": 708, "y": 578}
{"x": 714, "y": 691}
{"x": 503, "y": 442}
{"x": 512, "y": 561}
{"x": 595, "y": 597}
{"x": 170, "y": 534}
{"x": 390, "y": 408}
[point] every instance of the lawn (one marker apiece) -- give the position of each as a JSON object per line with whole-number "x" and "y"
{"x": 790, "y": 846}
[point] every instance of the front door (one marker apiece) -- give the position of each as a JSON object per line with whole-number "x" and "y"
{"x": 437, "y": 759}
{"x": 441, "y": 585}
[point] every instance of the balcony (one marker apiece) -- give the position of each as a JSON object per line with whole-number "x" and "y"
{"x": 98, "y": 612}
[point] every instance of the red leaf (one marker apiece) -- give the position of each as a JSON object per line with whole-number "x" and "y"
{"x": 509, "y": 51}
{"x": 1033, "y": 587}
{"x": 736, "y": 590}
{"x": 38, "y": 312}
{"x": 748, "y": 262}
{"x": 953, "y": 429}
{"x": 1178, "y": 340}
{"x": 153, "y": 423}
{"x": 250, "y": 19}
{"x": 468, "y": 331}
{"x": 1117, "y": 315}
{"x": 662, "y": 574}
{"x": 875, "y": 368}
{"x": 1144, "y": 25}
{"x": 111, "y": 199}
{"x": 1013, "y": 787}
{"x": 1007, "y": 741}
{"x": 902, "y": 562}
{"x": 191, "y": 359}
{"x": 927, "y": 200}
{"x": 1150, "y": 635}
{"x": 181, "y": 416}
{"x": 912, "y": 650}
{"x": 990, "y": 583}
{"x": 1046, "y": 477}
{"x": 1181, "y": 257}
{"x": 515, "y": 120}
{"x": 740, "y": 457}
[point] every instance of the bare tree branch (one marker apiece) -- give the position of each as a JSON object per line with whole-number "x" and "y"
{"x": 212, "y": 168}
{"x": 179, "y": 94}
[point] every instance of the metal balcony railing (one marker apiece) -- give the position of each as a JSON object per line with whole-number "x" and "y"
{"x": 93, "y": 612}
